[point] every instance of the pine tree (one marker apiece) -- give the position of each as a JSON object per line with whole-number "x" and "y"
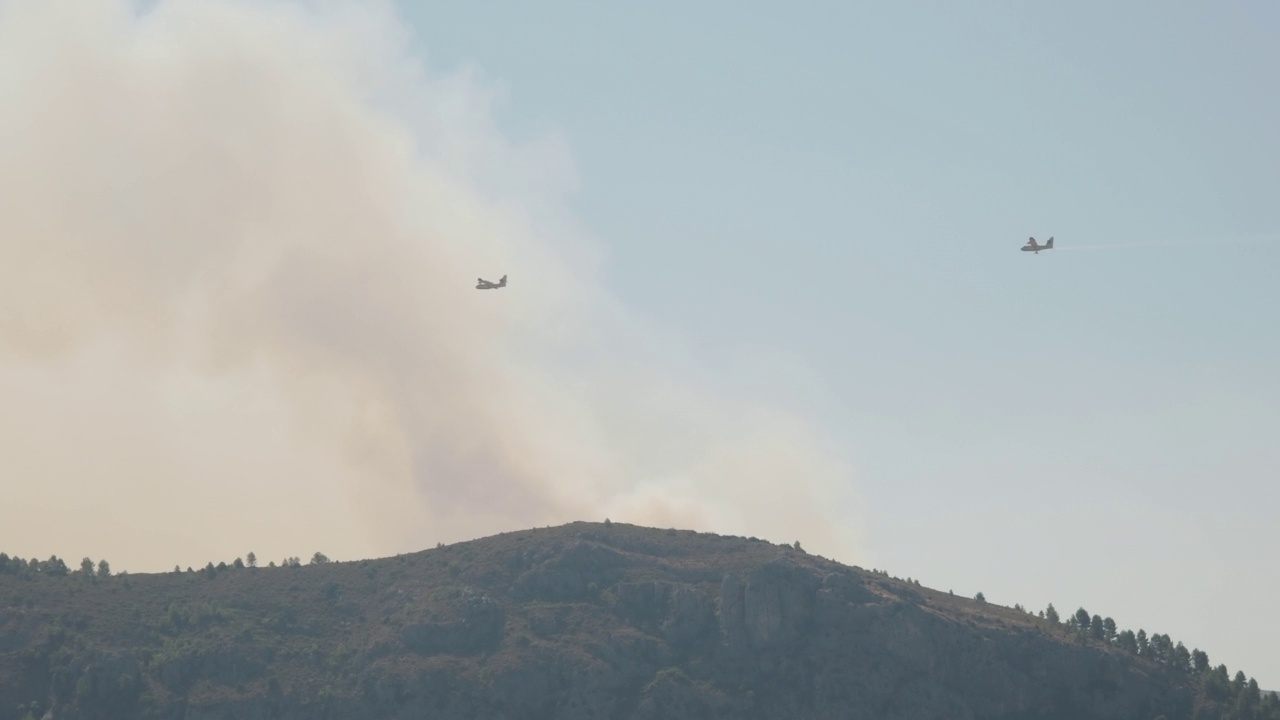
{"x": 1082, "y": 618}
{"x": 1199, "y": 661}
{"x": 1181, "y": 657}
{"x": 1051, "y": 614}
{"x": 1127, "y": 642}
{"x": 1097, "y": 630}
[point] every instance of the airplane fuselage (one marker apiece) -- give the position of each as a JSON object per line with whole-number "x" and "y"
{"x": 1035, "y": 247}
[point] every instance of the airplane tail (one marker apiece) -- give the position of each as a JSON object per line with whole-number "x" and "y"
{"x": 1049, "y": 244}
{"x": 502, "y": 281}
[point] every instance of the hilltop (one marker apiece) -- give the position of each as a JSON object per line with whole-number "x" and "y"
{"x": 586, "y": 620}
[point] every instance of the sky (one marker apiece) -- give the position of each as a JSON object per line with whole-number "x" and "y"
{"x": 764, "y": 280}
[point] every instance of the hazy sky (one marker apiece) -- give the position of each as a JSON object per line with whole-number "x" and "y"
{"x": 764, "y": 279}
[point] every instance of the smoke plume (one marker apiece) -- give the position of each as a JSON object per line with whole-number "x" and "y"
{"x": 239, "y": 242}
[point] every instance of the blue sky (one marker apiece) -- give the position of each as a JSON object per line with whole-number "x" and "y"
{"x": 824, "y": 202}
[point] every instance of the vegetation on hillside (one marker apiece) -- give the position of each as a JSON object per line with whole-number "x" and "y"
{"x": 506, "y": 616}
{"x": 1241, "y": 696}
{"x": 1238, "y": 696}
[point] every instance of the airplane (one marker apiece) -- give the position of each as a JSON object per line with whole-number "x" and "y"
{"x": 482, "y": 284}
{"x": 1031, "y": 246}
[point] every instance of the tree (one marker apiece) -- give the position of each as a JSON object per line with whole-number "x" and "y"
{"x": 1144, "y": 646}
{"x": 55, "y": 566}
{"x": 1082, "y": 618}
{"x": 1269, "y": 708}
{"x": 1097, "y": 630}
{"x": 1127, "y": 642}
{"x": 1051, "y": 614}
{"x": 1216, "y": 685}
{"x": 238, "y": 564}
{"x": 1199, "y": 661}
{"x": 1252, "y": 694}
{"x": 86, "y": 567}
{"x": 104, "y": 568}
{"x": 1161, "y": 649}
{"x": 319, "y": 559}
{"x": 252, "y": 560}
{"x": 1181, "y": 657}
{"x": 1109, "y": 629}
{"x": 980, "y": 597}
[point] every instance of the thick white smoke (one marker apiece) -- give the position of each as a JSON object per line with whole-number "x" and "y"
{"x": 237, "y": 248}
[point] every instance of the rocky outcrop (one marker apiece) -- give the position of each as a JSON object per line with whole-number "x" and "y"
{"x": 772, "y": 606}
{"x": 678, "y": 613}
{"x": 580, "y": 570}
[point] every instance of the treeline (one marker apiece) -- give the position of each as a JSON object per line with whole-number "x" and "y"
{"x": 1222, "y": 696}
{"x": 57, "y": 567}
{"x": 251, "y": 561}
{"x": 53, "y": 567}
{"x": 1239, "y": 697}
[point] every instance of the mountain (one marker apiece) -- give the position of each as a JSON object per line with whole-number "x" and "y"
{"x": 586, "y": 620}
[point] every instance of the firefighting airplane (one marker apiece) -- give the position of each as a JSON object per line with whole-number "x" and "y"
{"x": 1031, "y": 246}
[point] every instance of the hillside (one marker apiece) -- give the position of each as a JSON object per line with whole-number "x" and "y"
{"x": 585, "y": 620}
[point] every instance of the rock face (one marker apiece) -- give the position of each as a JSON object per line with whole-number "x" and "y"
{"x": 583, "y": 621}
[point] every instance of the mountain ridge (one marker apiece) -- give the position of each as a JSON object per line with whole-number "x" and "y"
{"x": 583, "y": 620}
